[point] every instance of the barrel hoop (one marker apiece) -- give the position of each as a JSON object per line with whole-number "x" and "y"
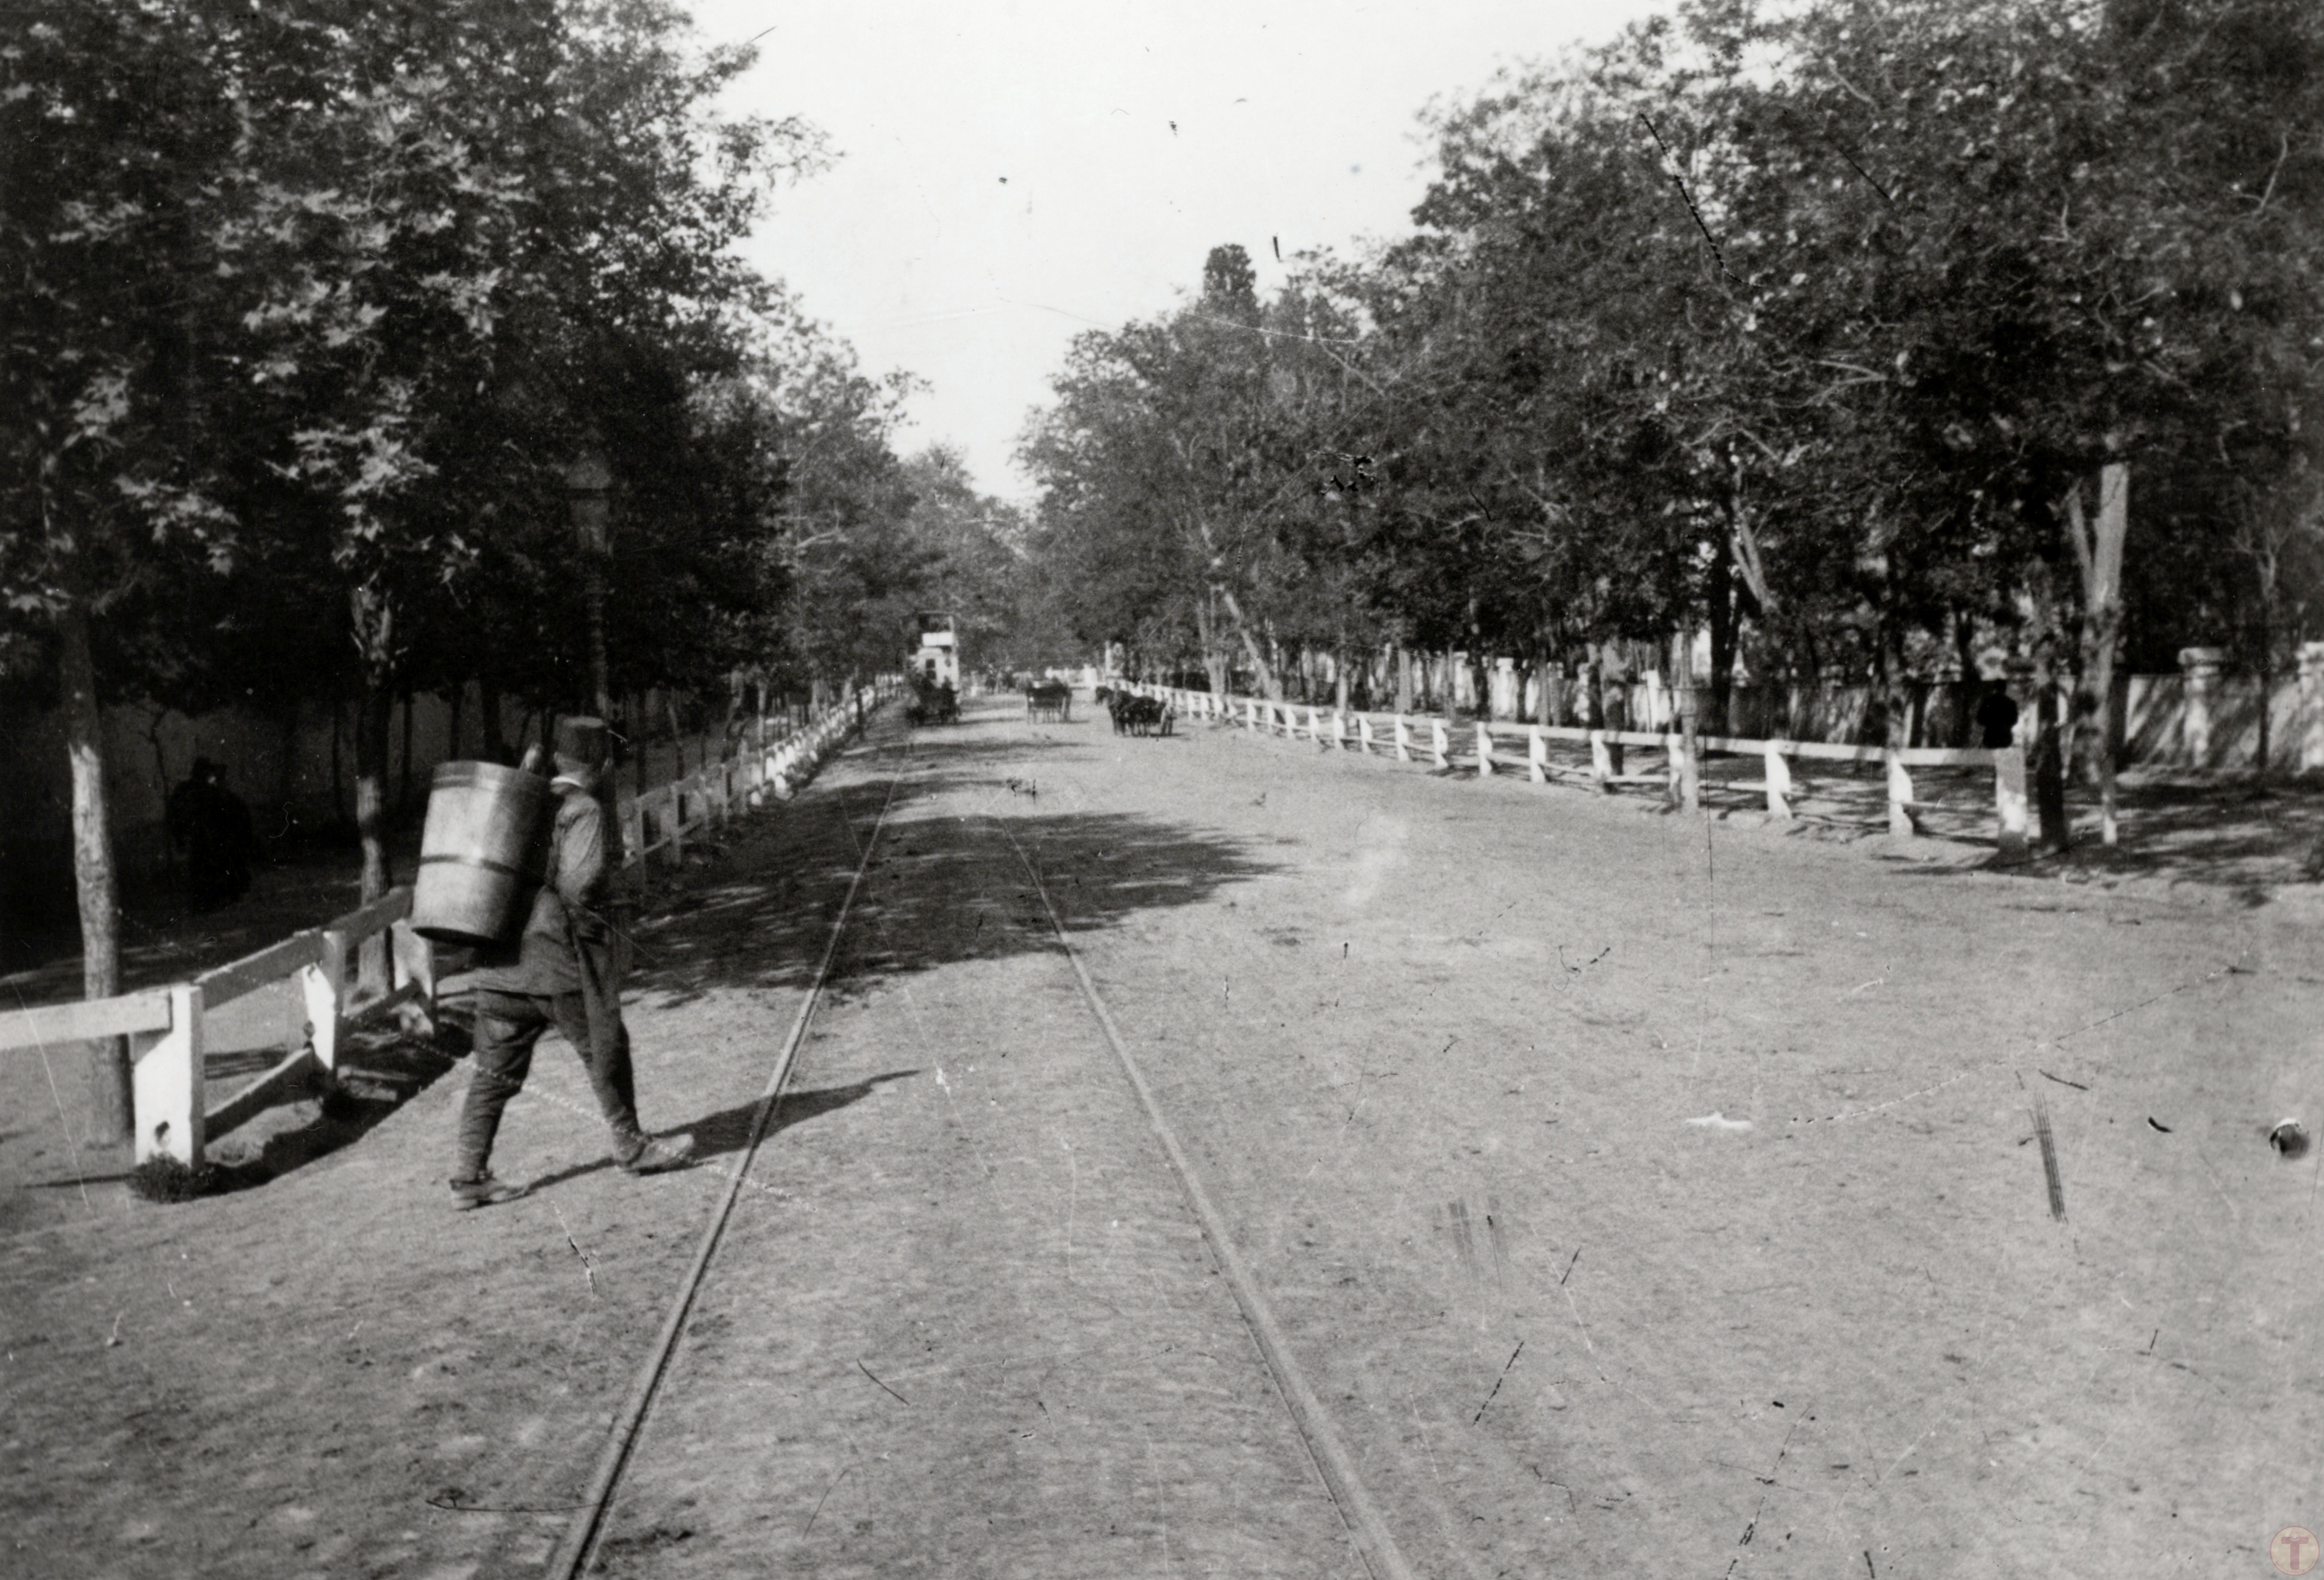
{"x": 486, "y": 862}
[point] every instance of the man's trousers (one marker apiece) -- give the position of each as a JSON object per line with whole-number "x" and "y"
{"x": 508, "y": 1025}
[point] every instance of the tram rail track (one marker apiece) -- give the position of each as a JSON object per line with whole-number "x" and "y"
{"x": 573, "y": 1552}
{"x": 1366, "y": 1527}
{"x": 1359, "y": 1517}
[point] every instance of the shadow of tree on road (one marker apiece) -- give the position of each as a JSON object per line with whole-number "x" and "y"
{"x": 945, "y": 883}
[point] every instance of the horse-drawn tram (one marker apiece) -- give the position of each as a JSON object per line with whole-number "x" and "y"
{"x": 935, "y": 668}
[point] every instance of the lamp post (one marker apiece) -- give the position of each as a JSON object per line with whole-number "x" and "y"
{"x": 588, "y": 480}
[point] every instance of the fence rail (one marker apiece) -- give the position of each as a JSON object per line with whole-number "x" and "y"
{"x": 369, "y": 962}
{"x": 1443, "y": 745}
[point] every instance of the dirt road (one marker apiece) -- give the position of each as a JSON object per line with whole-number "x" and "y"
{"x": 1641, "y": 1197}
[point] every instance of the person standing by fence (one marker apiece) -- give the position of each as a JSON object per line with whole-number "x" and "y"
{"x": 212, "y": 826}
{"x": 563, "y": 971}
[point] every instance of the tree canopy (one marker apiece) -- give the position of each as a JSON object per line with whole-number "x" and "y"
{"x": 1832, "y": 331}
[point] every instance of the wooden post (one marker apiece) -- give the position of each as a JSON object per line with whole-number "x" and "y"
{"x": 1601, "y": 762}
{"x": 323, "y": 987}
{"x": 2009, "y": 800}
{"x": 1484, "y": 751}
{"x": 1779, "y": 782}
{"x": 1339, "y": 731}
{"x": 1403, "y": 739}
{"x": 1364, "y": 734}
{"x": 1680, "y": 776}
{"x": 415, "y": 969}
{"x": 166, "y": 1083}
{"x": 1440, "y": 746}
{"x": 1900, "y": 796}
{"x": 677, "y": 823}
{"x": 2201, "y": 667}
{"x": 1537, "y": 756}
{"x": 1688, "y": 728}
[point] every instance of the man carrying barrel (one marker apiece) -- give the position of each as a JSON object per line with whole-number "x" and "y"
{"x": 562, "y": 971}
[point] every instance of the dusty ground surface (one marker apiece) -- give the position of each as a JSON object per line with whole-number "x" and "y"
{"x": 1642, "y": 1194}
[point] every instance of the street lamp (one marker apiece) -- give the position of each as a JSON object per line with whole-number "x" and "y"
{"x": 588, "y": 481}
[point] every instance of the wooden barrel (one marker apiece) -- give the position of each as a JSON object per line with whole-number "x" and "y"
{"x": 480, "y": 853}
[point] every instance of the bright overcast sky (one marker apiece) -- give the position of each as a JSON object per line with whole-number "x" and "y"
{"x": 1012, "y": 174}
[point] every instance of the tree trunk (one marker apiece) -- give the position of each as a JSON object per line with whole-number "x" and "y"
{"x": 371, "y": 623}
{"x": 2100, "y": 555}
{"x": 372, "y": 721}
{"x": 1686, "y": 701}
{"x": 2049, "y": 764}
{"x": 1971, "y": 689}
{"x": 112, "y": 1117}
{"x": 1340, "y": 678}
{"x": 727, "y": 743}
{"x": 1896, "y": 695}
{"x": 1724, "y": 621}
{"x": 1263, "y": 671}
{"x": 338, "y": 775}
{"x": 1214, "y": 661}
{"x": 488, "y": 704}
{"x": 170, "y": 867}
{"x": 403, "y": 775}
{"x": 1403, "y": 679}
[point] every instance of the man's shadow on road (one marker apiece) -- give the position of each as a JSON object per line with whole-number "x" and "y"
{"x": 728, "y": 1131}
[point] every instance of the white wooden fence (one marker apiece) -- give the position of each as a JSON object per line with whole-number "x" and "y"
{"x": 1492, "y": 747}
{"x": 369, "y": 962}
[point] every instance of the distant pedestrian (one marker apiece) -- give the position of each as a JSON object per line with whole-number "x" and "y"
{"x": 1996, "y": 716}
{"x": 563, "y": 971}
{"x": 212, "y": 826}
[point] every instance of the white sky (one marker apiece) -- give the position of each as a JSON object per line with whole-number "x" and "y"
{"x": 1010, "y": 171}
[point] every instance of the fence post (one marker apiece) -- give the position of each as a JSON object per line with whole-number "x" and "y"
{"x": 1364, "y": 734}
{"x": 1680, "y": 776}
{"x": 415, "y": 967}
{"x": 2009, "y": 800}
{"x": 1251, "y": 713}
{"x": 1339, "y": 731}
{"x": 1602, "y": 763}
{"x": 1537, "y": 755}
{"x": 1484, "y": 749}
{"x": 1315, "y": 727}
{"x": 1779, "y": 783}
{"x": 323, "y": 986}
{"x": 1900, "y": 797}
{"x": 677, "y": 823}
{"x": 1440, "y": 746}
{"x": 166, "y": 1083}
{"x": 2201, "y": 667}
{"x": 1403, "y": 739}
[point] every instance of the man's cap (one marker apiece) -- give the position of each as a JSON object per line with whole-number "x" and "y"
{"x": 582, "y": 739}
